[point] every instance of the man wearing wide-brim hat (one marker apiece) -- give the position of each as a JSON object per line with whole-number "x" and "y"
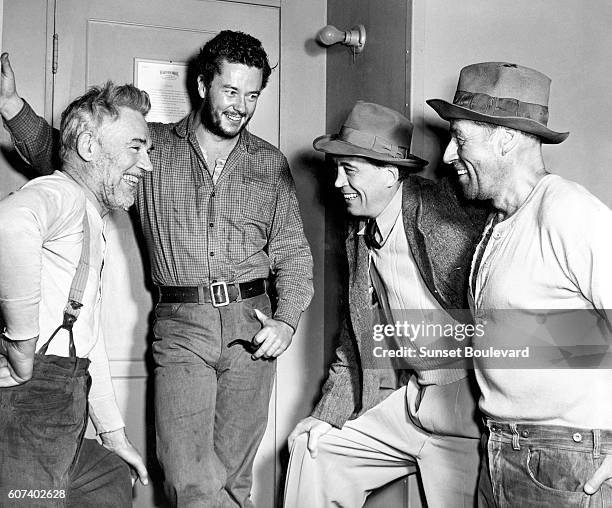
{"x": 547, "y": 246}
{"x": 408, "y": 250}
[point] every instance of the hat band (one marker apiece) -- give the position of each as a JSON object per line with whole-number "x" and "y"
{"x": 372, "y": 142}
{"x": 501, "y": 106}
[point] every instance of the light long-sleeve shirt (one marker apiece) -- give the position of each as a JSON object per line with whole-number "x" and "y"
{"x": 554, "y": 253}
{"x": 41, "y": 237}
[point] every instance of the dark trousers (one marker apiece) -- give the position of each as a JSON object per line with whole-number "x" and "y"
{"x": 211, "y": 401}
{"x": 44, "y": 459}
{"x": 542, "y": 465}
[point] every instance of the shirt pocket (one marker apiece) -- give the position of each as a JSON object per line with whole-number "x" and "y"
{"x": 257, "y": 200}
{"x": 248, "y": 235}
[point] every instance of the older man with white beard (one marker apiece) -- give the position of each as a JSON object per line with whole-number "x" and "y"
{"x": 51, "y": 256}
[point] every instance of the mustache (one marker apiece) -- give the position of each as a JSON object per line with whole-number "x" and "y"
{"x": 234, "y": 112}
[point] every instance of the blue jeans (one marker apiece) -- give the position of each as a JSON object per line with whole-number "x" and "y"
{"x": 211, "y": 401}
{"x": 543, "y": 466}
{"x": 44, "y": 460}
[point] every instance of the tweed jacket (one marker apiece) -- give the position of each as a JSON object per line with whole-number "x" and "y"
{"x": 442, "y": 234}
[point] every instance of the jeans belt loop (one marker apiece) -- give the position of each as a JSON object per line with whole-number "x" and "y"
{"x": 238, "y": 293}
{"x": 515, "y": 437}
{"x": 201, "y": 297}
{"x": 596, "y": 443}
{"x": 219, "y": 296}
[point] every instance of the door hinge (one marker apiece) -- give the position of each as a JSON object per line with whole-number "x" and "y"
{"x": 55, "y": 54}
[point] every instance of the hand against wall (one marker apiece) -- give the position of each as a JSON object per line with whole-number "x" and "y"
{"x": 10, "y": 102}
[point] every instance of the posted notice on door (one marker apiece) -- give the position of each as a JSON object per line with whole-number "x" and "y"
{"x": 164, "y": 81}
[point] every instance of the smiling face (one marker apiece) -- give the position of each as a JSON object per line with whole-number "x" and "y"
{"x": 472, "y": 152}
{"x": 230, "y": 100}
{"x": 366, "y": 187}
{"x": 123, "y": 156}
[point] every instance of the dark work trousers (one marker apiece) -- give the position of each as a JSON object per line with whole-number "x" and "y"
{"x": 211, "y": 401}
{"x": 44, "y": 459}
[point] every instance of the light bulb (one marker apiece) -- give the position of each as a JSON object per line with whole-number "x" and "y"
{"x": 329, "y": 35}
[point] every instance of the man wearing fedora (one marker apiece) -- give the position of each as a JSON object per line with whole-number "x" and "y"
{"x": 408, "y": 249}
{"x": 546, "y": 246}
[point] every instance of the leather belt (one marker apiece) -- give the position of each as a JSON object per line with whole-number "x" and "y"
{"x": 218, "y": 294}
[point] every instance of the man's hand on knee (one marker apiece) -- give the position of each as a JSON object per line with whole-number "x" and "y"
{"x": 117, "y": 442}
{"x": 315, "y": 428}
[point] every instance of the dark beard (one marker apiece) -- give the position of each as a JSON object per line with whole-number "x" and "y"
{"x": 212, "y": 124}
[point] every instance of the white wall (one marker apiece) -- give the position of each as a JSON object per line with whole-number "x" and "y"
{"x": 302, "y": 367}
{"x": 1, "y": 14}
{"x": 568, "y": 40}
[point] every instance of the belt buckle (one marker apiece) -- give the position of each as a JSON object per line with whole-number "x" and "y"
{"x": 219, "y": 296}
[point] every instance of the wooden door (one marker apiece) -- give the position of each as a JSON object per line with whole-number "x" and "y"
{"x": 99, "y": 40}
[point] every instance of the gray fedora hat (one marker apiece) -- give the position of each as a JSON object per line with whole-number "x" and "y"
{"x": 503, "y": 94}
{"x": 374, "y": 132}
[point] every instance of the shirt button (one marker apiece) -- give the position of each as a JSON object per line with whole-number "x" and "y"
{"x": 212, "y": 254}
{"x": 525, "y": 433}
{"x": 577, "y": 437}
{"x": 211, "y": 224}
{"x": 212, "y": 194}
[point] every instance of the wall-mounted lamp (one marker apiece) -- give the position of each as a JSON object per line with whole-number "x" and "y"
{"x": 354, "y": 38}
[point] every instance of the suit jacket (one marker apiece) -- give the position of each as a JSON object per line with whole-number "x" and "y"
{"x": 442, "y": 234}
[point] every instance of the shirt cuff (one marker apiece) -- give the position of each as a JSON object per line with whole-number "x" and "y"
{"x": 283, "y": 321}
{"x": 21, "y": 123}
{"x": 105, "y": 415}
{"x": 329, "y": 413}
{"x": 288, "y": 315}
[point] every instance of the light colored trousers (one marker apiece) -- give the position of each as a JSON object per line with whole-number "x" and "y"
{"x": 385, "y": 443}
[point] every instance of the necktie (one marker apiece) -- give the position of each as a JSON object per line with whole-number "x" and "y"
{"x": 372, "y": 235}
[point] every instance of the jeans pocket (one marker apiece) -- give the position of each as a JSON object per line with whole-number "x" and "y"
{"x": 37, "y": 395}
{"x": 166, "y": 310}
{"x": 560, "y": 473}
{"x": 260, "y": 302}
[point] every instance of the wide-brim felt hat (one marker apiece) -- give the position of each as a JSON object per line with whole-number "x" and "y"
{"x": 374, "y": 132}
{"x": 503, "y": 94}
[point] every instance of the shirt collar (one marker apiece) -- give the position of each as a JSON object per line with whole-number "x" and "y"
{"x": 184, "y": 126}
{"x": 388, "y": 217}
{"x": 90, "y": 197}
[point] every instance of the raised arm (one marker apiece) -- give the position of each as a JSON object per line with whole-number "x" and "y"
{"x": 36, "y": 142}
{"x": 10, "y": 102}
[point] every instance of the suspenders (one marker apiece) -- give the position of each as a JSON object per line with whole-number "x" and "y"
{"x": 77, "y": 290}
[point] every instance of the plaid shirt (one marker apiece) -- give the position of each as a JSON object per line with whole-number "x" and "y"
{"x": 245, "y": 227}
